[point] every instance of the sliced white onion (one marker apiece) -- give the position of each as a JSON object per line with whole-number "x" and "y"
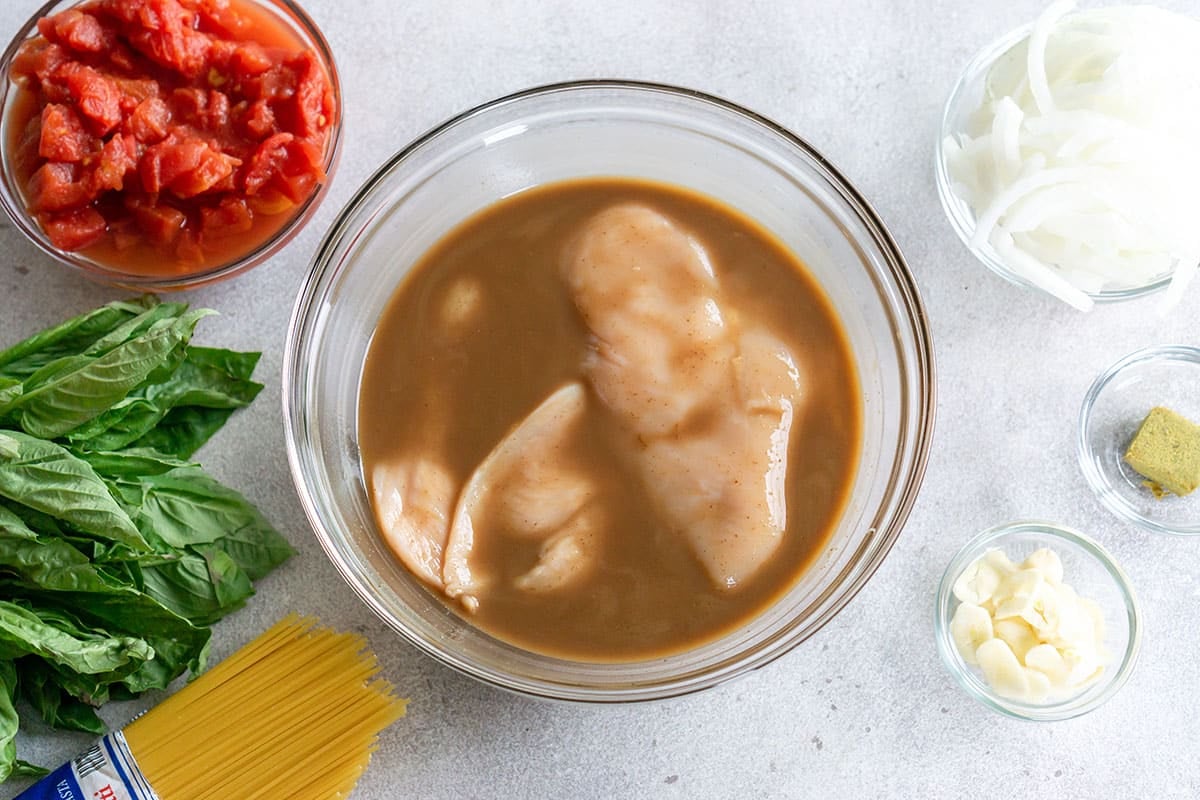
{"x": 1082, "y": 164}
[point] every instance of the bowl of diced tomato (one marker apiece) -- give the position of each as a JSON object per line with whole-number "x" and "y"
{"x": 163, "y": 144}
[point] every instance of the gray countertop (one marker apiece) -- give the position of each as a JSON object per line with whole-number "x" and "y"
{"x": 864, "y": 708}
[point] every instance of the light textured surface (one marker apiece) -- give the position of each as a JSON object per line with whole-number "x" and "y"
{"x": 865, "y": 708}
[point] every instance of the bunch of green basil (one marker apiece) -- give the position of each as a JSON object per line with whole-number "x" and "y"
{"x": 116, "y": 551}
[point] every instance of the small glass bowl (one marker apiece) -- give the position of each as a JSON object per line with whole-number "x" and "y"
{"x": 1118, "y": 401}
{"x": 12, "y": 196}
{"x": 1091, "y": 571}
{"x": 964, "y": 100}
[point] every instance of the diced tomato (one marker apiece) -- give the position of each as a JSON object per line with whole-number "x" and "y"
{"x": 311, "y": 106}
{"x": 219, "y": 17}
{"x": 276, "y": 84}
{"x": 38, "y": 58}
{"x": 188, "y": 103}
{"x": 290, "y": 165}
{"x": 165, "y": 36}
{"x": 216, "y": 115}
{"x": 159, "y": 223}
{"x": 96, "y": 96}
{"x": 118, "y": 159}
{"x": 230, "y": 216}
{"x": 188, "y": 249}
{"x": 123, "y": 58}
{"x": 55, "y": 187}
{"x": 159, "y": 127}
{"x": 186, "y": 167}
{"x": 266, "y": 163}
{"x": 302, "y": 171}
{"x": 166, "y": 161}
{"x": 78, "y": 31}
{"x": 62, "y": 136}
{"x": 204, "y": 109}
{"x": 214, "y": 173}
{"x": 73, "y": 230}
{"x": 249, "y": 59}
{"x": 257, "y": 121}
{"x": 134, "y": 91}
{"x": 150, "y": 122}
{"x": 25, "y": 157}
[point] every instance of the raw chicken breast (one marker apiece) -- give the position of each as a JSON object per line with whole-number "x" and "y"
{"x": 567, "y": 555}
{"x": 661, "y": 346}
{"x": 529, "y": 482}
{"x": 708, "y": 402}
{"x": 413, "y": 500}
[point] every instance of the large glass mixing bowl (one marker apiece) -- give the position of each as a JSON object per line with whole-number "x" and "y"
{"x": 605, "y": 128}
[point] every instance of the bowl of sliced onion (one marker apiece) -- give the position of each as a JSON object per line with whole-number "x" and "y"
{"x": 1067, "y": 159}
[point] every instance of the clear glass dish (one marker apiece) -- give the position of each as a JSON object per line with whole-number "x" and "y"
{"x": 1114, "y": 406}
{"x": 967, "y": 96}
{"x": 1092, "y": 572}
{"x": 12, "y": 196}
{"x": 603, "y": 128}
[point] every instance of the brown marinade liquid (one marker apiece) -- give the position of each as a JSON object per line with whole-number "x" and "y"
{"x": 424, "y": 392}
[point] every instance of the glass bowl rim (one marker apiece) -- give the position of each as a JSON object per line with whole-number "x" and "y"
{"x": 1096, "y": 480}
{"x": 961, "y": 219}
{"x": 976, "y": 688}
{"x": 911, "y": 319}
{"x": 14, "y": 206}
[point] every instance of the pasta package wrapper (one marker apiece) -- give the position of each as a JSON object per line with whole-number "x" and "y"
{"x": 107, "y": 771}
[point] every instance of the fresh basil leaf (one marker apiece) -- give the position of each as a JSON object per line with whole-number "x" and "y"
{"x": 201, "y": 586}
{"x": 257, "y": 548}
{"x": 48, "y": 478}
{"x": 183, "y": 431}
{"x": 185, "y": 506}
{"x": 23, "y": 631}
{"x": 8, "y": 719}
{"x": 178, "y": 645}
{"x": 73, "y": 336}
{"x": 37, "y": 521}
{"x": 10, "y": 390}
{"x": 23, "y": 769}
{"x": 154, "y": 316}
{"x": 234, "y": 363}
{"x": 45, "y": 563}
{"x": 64, "y": 398}
{"x": 57, "y": 706}
{"x": 131, "y": 463}
{"x": 206, "y": 378}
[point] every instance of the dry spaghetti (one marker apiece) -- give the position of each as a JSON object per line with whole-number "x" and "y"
{"x": 295, "y": 713}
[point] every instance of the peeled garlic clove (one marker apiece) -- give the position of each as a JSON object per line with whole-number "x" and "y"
{"x": 1000, "y": 562}
{"x": 1039, "y": 686}
{"x": 1030, "y": 598}
{"x": 1045, "y": 659}
{"x": 1001, "y": 669}
{"x": 1017, "y": 634}
{"x": 970, "y": 627}
{"x": 1047, "y": 562}
{"x": 1072, "y": 625}
{"x": 977, "y": 583}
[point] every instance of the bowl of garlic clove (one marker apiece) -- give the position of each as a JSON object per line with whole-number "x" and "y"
{"x": 1037, "y": 621}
